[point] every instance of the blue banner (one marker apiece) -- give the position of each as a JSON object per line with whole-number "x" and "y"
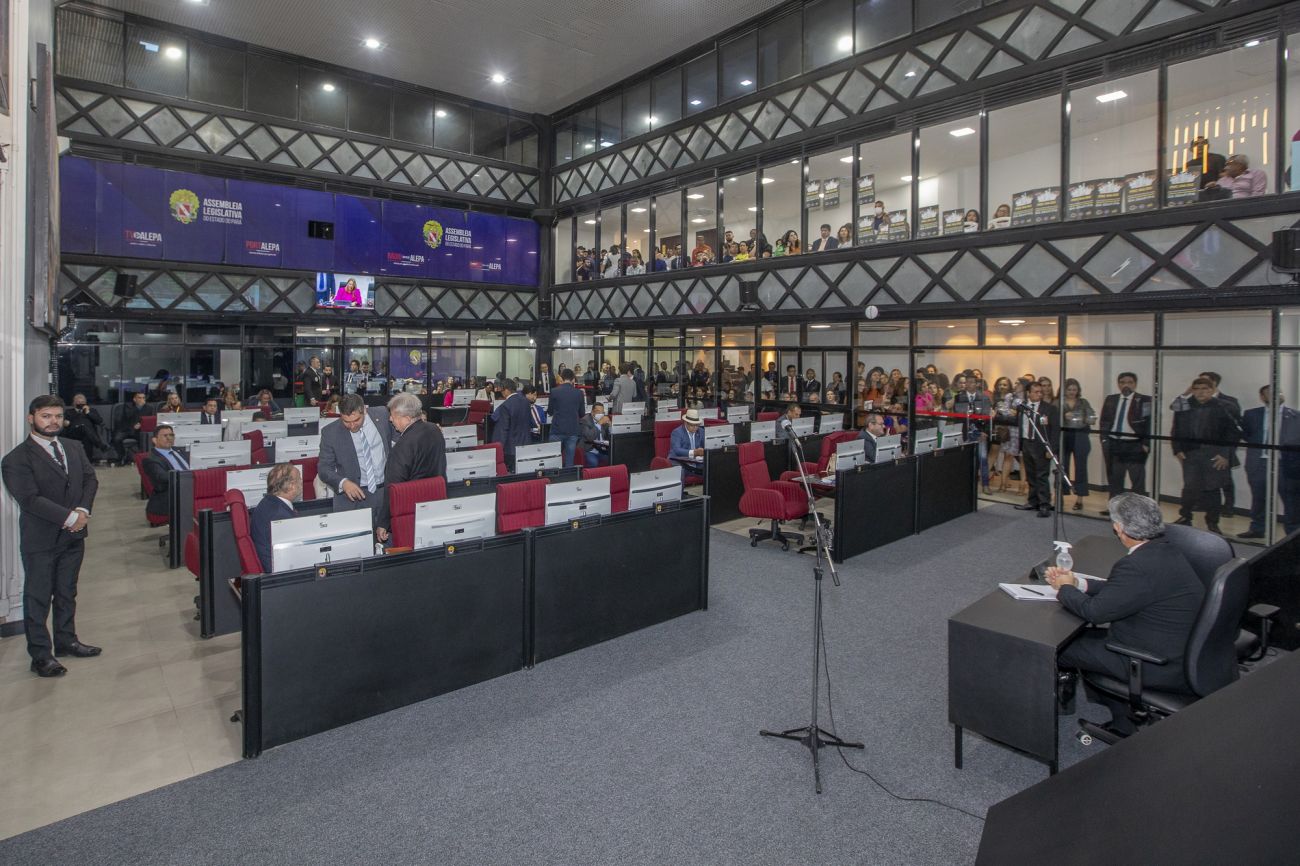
{"x": 405, "y": 253}
{"x": 259, "y": 239}
{"x": 198, "y": 214}
{"x": 302, "y": 251}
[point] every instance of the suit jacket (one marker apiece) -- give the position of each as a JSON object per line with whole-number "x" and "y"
{"x": 259, "y": 526}
{"x": 1139, "y": 416}
{"x": 1151, "y": 600}
{"x": 624, "y": 391}
{"x": 545, "y": 382}
{"x": 45, "y": 493}
{"x": 566, "y": 408}
{"x": 204, "y": 418}
{"x": 830, "y": 243}
{"x": 590, "y": 435}
{"x": 784, "y": 385}
{"x": 811, "y": 386}
{"x": 1048, "y": 420}
{"x": 312, "y": 381}
{"x": 682, "y": 443}
{"x": 868, "y": 445}
{"x": 156, "y": 469}
{"x": 1252, "y": 430}
{"x": 338, "y": 456}
{"x": 420, "y": 452}
{"x": 512, "y": 424}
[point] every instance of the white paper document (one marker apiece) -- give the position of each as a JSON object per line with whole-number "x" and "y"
{"x": 1025, "y": 592}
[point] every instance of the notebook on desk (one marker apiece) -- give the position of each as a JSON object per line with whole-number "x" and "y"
{"x": 1025, "y": 592}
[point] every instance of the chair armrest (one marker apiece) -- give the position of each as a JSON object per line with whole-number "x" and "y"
{"x": 1134, "y": 653}
{"x": 1263, "y": 611}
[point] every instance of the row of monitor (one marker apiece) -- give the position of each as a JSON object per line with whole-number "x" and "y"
{"x": 304, "y": 542}
{"x": 239, "y": 452}
{"x": 292, "y": 415}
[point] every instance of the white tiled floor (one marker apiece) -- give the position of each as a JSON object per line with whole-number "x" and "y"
{"x": 152, "y": 710}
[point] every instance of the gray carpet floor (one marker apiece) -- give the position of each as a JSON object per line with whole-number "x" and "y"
{"x": 643, "y": 750}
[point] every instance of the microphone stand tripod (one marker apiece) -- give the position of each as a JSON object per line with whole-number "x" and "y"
{"x": 812, "y": 735}
{"x": 1058, "y": 522}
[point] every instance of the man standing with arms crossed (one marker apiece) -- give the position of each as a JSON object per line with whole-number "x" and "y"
{"x": 54, "y": 486}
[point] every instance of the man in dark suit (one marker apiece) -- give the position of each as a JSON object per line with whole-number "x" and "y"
{"x": 1181, "y": 403}
{"x": 811, "y": 386}
{"x": 420, "y": 451}
{"x": 162, "y": 459}
{"x": 512, "y": 421}
{"x": 1258, "y": 428}
{"x": 545, "y": 381}
{"x": 566, "y": 408}
{"x": 126, "y": 430}
{"x": 874, "y": 429}
{"x": 54, "y": 485}
{"x": 791, "y": 385}
{"x": 1126, "y": 436}
{"x": 312, "y": 382}
{"x": 1204, "y": 437}
{"x": 1034, "y": 440}
{"x": 354, "y": 454}
{"x": 211, "y": 412}
{"x": 283, "y": 488}
{"x": 83, "y": 423}
{"x": 595, "y": 437}
{"x": 1151, "y": 600}
{"x": 825, "y": 242}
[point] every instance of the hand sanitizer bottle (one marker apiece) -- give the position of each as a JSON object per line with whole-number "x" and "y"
{"x": 1064, "y": 560}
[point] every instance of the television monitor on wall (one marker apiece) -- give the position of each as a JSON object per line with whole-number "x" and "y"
{"x": 345, "y": 291}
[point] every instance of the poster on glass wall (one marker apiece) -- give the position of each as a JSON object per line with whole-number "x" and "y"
{"x": 1108, "y": 199}
{"x": 812, "y": 194}
{"x": 898, "y": 228}
{"x": 1183, "y": 188}
{"x": 1022, "y": 208}
{"x": 954, "y": 221}
{"x": 866, "y": 230}
{"x": 1047, "y": 204}
{"x": 1140, "y": 191}
{"x": 866, "y": 189}
{"x": 1079, "y": 204}
{"x": 927, "y": 222}
{"x": 831, "y": 193}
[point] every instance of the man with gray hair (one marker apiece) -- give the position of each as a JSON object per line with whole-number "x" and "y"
{"x": 283, "y": 488}
{"x": 1151, "y": 600}
{"x": 1240, "y": 179}
{"x": 420, "y": 452}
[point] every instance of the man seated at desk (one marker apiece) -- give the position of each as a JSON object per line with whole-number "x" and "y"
{"x": 874, "y": 429}
{"x": 1150, "y": 599}
{"x": 283, "y": 487}
{"x": 686, "y": 447}
{"x": 158, "y": 464}
{"x": 595, "y": 436}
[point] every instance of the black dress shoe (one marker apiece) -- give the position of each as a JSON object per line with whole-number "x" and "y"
{"x": 1025, "y": 506}
{"x": 1044, "y": 512}
{"x": 1213, "y": 527}
{"x": 1250, "y": 533}
{"x": 1183, "y": 521}
{"x": 48, "y": 668}
{"x": 78, "y": 649}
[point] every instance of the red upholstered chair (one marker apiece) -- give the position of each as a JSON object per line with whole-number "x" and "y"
{"x": 402, "y": 499}
{"x": 307, "y": 466}
{"x": 768, "y": 416}
{"x": 238, "y": 508}
{"x": 147, "y": 486}
{"x": 619, "y": 483}
{"x": 148, "y": 424}
{"x": 663, "y": 444}
{"x": 767, "y": 499}
{"x": 521, "y": 504}
{"x": 478, "y": 410}
{"x": 209, "y": 492}
{"x": 828, "y": 448}
{"x": 502, "y": 469}
{"x": 258, "y": 448}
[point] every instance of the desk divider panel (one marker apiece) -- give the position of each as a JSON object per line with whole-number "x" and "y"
{"x": 874, "y": 506}
{"x": 633, "y": 450}
{"x": 945, "y": 486}
{"x": 180, "y": 508}
{"x": 637, "y": 585}
{"x": 478, "y": 486}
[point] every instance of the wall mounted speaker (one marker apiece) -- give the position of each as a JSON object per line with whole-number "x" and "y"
{"x": 125, "y": 284}
{"x": 320, "y": 230}
{"x": 1286, "y": 250}
{"x": 748, "y": 293}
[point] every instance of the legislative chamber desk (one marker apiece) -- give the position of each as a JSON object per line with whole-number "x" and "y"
{"x": 721, "y": 471}
{"x": 1002, "y": 662}
{"x": 330, "y": 645}
{"x": 884, "y": 502}
{"x": 1212, "y": 784}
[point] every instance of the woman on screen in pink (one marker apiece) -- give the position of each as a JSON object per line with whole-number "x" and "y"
{"x": 348, "y": 294}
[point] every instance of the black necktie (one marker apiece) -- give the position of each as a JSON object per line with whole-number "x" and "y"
{"x": 58, "y": 456}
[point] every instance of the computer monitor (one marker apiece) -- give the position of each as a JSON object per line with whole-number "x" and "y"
{"x": 673, "y": 414}
{"x": 832, "y": 423}
{"x": 251, "y": 481}
{"x": 574, "y": 500}
{"x": 762, "y": 431}
{"x": 302, "y": 542}
{"x": 894, "y": 441}
{"x": 884, "y": 455}
{"x": 708, "y": 414}
{"x": 950, "y": 434}
{"x": 803, "y": 426}
{"x": 624, "y": 424}
{"x": 325, "y": 422}
{"x": 647, "y": 489}
{"x": 633, "y": 409}
{"x": 461, "y": 397}
{"x": 271, "y": 430}
{"x": 304, "y": 415}
{"x": 447, "y": 521}
{"x": 530, "y": 458}
{"x": 205, "y": 455}
{"x": 235, "y": 417}
{"x": 736, "y": 414}
{"x": 481, "y": 463}
{"x": 181, "y": 419}
{"x": 458, "y": 437}
{"x": 925, "y": 441}
{"x": 296, "y": 448}
{"x": 719, "y": 436}
{"x": 849, "y": 454}
{"x": 192, "y": 434}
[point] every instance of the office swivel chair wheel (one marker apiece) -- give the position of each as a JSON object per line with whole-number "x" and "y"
{"x": 753, "y": 542}
{"x": 1084, "y": 737}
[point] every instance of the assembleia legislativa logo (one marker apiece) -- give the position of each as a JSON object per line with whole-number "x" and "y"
{"x": 184, "y": 206}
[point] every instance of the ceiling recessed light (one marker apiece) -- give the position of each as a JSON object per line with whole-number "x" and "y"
{"x": 952, "y": 326}
{"x": 1011, "y": 322}
{"x": 695, "y": 102}
{"x": 327, "y": 87}
{"x": 322, "y": 330}
{"x": 172, "y": 52}
{"x": 845, "y": 43}
{"x": 846, "y": 159}
{"x": 440, "y": 113}
{"x": 372, "y": 43}
{"x": 752, "y": 209}
{"x": 745, "y": 82}
{"x": 1112, "y": 96}
{"x": 794, "y": 162}
{"x": 819, "y": 327}
{"x": 652, "y": 120}
{"x": 694, "y": 330}
{"x": 589, "y": 222}
{"x": 604, "y": 143}
{"x": 1252, "y": 43}
{"x": 907, "y": 178}
{"x": 911, "y": 73}
{"x": 695, "y": 196}
{"x": 638, "y": 210}
{"x": 591, "y": 145}
{"x": 769, "y": 180}
{"x": 498, "y": 78}
{"x": 699, "y": 220}
{"x": 961, "y": 133}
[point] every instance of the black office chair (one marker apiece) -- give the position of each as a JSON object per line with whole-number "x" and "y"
{"x": 1207, "y": 552}
{"x": 1210, "y": 661}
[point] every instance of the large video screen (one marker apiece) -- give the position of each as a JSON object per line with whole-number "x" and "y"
{"x": 345, "y": 291}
